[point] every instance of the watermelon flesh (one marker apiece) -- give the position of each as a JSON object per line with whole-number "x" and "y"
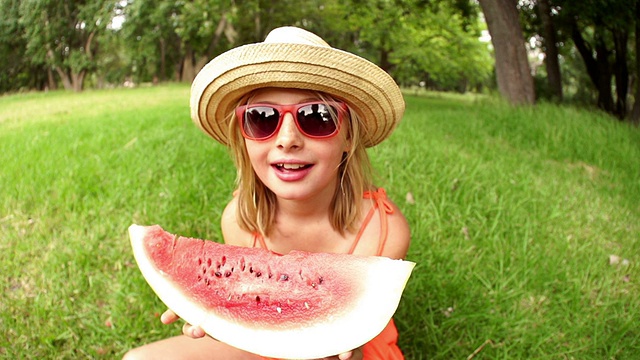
{"x": 295, "y": 306}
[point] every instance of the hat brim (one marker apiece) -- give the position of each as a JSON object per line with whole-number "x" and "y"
{"x": 363, "y": 86}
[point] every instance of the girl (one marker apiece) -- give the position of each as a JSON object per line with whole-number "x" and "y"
{"x": 298, "y": 116}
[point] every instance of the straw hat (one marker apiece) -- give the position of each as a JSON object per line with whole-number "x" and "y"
{"x": 291, "y": 57}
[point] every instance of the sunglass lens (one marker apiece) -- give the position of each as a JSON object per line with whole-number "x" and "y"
{"x": 317, "y": 119}
{"x": 261, "y": 121}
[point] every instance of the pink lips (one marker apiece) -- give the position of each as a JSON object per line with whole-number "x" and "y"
{"x": 291, "y": 171}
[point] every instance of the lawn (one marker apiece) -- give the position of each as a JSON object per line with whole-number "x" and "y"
{"x": 525, "y": 222}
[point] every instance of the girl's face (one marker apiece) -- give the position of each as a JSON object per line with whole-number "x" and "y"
{"x": 292, "y": 165}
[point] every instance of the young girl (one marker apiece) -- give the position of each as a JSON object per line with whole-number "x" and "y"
{"x": 298, "y": 116}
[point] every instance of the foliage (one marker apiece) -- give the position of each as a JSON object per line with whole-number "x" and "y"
{"x": 62, "y": 35}
{"x": 150, "y": 38}
{"x": 12, "y": 49}
{"x": 514, "y": 215}
{"x": 443, "y": 47}
{"x": 64, "y": 42}
{"x": 434, "y": 43}
{"x": 599, "y": 36}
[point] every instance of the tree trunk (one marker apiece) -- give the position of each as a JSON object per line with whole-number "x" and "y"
{"x": 258, "y": 25}
{"x": 220, "y": 30}
{"x": 188, "y": 69}
{"x": 217, "y": 35}
{"x": 66, "y": 80}
{"x": 163, "y": 60}
{"x": 621, "y": 72}
{"x": 551, "y": 62}
{"x": 598, "y": 68}
{"x": 385, "y": 63}
{"x": 605, "y": 94}
{"x": 77, "y": 80}
{"x": 635, "y": 113}
{"x": 513, "y": 72}
{"x": 585, "y": 51}
{"x": 51, "y": 81}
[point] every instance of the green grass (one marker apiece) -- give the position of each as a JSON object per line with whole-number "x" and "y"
{"x": 516, "y": 213}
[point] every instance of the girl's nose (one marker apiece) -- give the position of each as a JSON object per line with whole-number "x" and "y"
{"x": 289, "y": 136}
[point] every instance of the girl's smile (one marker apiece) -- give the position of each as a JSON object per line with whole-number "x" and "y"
{"x": 291, "y": 170}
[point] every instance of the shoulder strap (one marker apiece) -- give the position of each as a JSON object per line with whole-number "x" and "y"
{"x": 257, "y": 238}
{"x": 384, "y": 205}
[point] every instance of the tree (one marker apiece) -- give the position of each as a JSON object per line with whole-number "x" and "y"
{"x": 15, "y": 69}
{"x": 513, "y": 72}
{"x": 600, "y": 31}
{"x": 634, "y": 117}
{"x": 71, "y": 43}
{"x": 61, "y": 35}
{"x": 149, "y": 34}
{"x": 435, "y": 43}
{"x": 202, "y": 25}
{"x": 551, "y": 59}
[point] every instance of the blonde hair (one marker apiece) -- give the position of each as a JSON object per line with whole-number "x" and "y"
{"x": 257, "y": 204}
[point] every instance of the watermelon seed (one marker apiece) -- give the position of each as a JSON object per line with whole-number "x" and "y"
{"x": 224, "y": 259}
{"x": 257, "y": 299}
{"x": 284, "y": 277}
{"x": 218, "y": 274}
{"x": 227, "y": 273}
{"x": 279, "y": 309}
{"x": 199, "y": 261}
{"x": 320, "y": 280}
{"x": 306, "y": 305}
{"x": 251, "y": 269}
{"x": 229, "y": 298}
{"x": 209, "y": 262}
{"x": 258, "y": 274}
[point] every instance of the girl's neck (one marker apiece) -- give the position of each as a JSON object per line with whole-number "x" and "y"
{"x": 317, "y": 206}
{"x": 308, "y": 208}
{"x": 305, "y": 225}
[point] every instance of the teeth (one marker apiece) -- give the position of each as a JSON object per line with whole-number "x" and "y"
{"x": 291, "y": 166}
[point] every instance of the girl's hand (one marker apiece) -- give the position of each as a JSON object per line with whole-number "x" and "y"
{"x": 189, "y": 330}
{"x": 355, "y": 354}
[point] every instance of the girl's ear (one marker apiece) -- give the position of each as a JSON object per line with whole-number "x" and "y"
{"x": 348, "y": 143}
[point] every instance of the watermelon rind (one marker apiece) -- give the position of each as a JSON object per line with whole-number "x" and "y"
{"x": 381, "y": 291}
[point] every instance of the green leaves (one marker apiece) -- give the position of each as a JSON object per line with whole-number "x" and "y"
{"x": 434, "y": 41}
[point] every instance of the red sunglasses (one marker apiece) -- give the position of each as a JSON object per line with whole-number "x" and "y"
{"x": 315, "y": 119}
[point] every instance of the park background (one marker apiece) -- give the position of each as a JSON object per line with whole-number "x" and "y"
{"x": 517, "y": 165}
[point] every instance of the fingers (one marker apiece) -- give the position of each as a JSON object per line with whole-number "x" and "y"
{"x": 192, "y": 331}
{"x": 355, "y": 354}
{"x": 195, "y": 332}
{"x": 168, "y": 317}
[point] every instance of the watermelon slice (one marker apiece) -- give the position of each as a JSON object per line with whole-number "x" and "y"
{"x": 295, "y": 306}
